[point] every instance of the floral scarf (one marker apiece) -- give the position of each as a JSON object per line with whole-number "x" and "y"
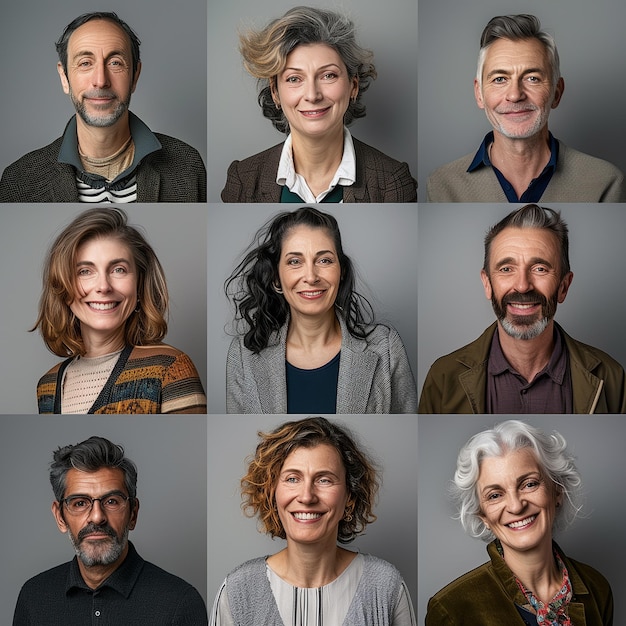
{"x": 555, "y": 612}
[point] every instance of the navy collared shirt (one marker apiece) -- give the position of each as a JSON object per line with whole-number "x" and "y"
{"x": 549, "y": 392}
{"x": 537, "y": 185}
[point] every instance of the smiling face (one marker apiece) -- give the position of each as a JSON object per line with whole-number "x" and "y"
{"x": 309, "y": 271}
{"x": 99, "y": 76}
{"x": 311, "y": 494}
{"x": 106, "y": 287}
{"x": 314, "y": 90}
{"x": 99, "y": 537}
{"x": 518, "y": 503}
{"x": 524, "y": 282}
{"x": 516, "y": 92}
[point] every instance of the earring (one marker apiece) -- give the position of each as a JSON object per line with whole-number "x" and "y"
{"x": 138, "y": 306}
{"x": 347, "y": 518}
{"x": 277, "y": 288}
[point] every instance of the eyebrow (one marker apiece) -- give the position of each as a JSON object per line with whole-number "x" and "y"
{"x": 533, "y": 261}
{"x": 323, "y": 67}
{"x": 319, "y": 473}
{"x": 104, "y": 495}
{"x": 532, "y": 70}
{"x": 112, "y": 262}
{"x": 89, "y": 53}
{"x": 319, "y": 253}
{"x": 520, "y": 479}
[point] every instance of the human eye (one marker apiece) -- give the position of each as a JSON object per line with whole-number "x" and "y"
{"x": 498, "y": 80}
{"x": 329, "y": 75}
{"x": 293, "y": 79}
{"x": 326, "y": 261}
{"x": 79, "y": 503}
{"x": 505, "y": 269}
{"x": 119, "y": 269}
{"x": 84, "y": 272}
{"x": 293, "y": 261}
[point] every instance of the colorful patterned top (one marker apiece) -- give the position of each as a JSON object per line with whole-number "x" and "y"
{"x": 146, "y": 379}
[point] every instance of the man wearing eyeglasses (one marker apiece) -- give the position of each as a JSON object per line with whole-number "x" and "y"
{"x": 107, "y": 583}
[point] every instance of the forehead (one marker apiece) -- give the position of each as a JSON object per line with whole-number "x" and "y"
{"x": 98, "y": 34}
{"x": 313, "y": 54}
{"x": 103, "y": 248}
{"x": 96, "y": 483}
{"x": 306, "y": 238}
{"x": 524, "y": 242}
{"x": 509, "y": 54}
{"x": 509, "y": 466}
{"x": 315, "y": 459}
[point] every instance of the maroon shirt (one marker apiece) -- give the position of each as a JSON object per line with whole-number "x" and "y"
{"x": 549, "y": 392}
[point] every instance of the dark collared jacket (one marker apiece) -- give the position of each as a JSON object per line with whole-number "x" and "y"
{"x": 487, "y": 595}
{"x": 457, "y": 382}
{"x": 379, "y": 178}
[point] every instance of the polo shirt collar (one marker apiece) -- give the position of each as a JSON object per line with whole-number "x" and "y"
{"x": 555, "y": 369}
{"x": 122, "y": 580}
{"x": 144, "y": 139}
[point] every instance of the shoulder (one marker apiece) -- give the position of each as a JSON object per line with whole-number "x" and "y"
{"x": 252, "y": 566}
{"x": 256, "y": 161}
{"x": 375, "y": 158}
{"x": 469, "y": 355}
{"x": 37, "y": 157}
{"x": 161, "y": 356}
{"x": 48, "y": 580}
{"x": 452, "y": 168}
{"x": 453, "y": 183}
{"x": 176, "y": 147}
{"x": 372, "y": 565}
{"x": 597, "y": 584}
{"x": 51, "y": 374}
{"x": 591, "y": 357}
{"x": 572, "y": 158}
{"x": 461, "y": 595}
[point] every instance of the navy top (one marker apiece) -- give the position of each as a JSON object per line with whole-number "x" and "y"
{"x": 537, "y": 185}
{"x": 313, "y": 391}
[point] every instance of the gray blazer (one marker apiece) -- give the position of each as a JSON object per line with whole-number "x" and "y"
{"x": 374, "y": 375}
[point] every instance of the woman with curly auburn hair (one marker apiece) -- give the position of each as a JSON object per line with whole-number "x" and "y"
{"x": 103, "y": 307}
{"x": 514, "y": 486}
{"x": 312, "y": 76}
{"x": 311, "y": 484}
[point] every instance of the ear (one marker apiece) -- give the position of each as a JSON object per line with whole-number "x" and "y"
{"x": 136, "y": 77}
{"x": 133, "y": 515}
{"x": 64, "y": 82}
{"x": 558, "y": 92}
{"x": 478, "y": 94}
{"x": 274, "y": 91}
{"x": 58, "y": 516}
{"x": 354, "y": 92}
{"x": 564, "y": 287}
{"x": 484, "y": 521}
{"x": 486, "y": 284}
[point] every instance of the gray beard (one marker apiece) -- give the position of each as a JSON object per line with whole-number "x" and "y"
{"x": 101, "y": 121}
{"x": 100, "y": 555}
{"x": 530, "y": 331}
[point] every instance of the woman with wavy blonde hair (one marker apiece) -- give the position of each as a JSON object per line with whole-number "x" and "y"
{"x": 104, "y": 307}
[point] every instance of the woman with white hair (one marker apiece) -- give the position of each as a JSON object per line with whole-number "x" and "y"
{"x": 514, "y": 485}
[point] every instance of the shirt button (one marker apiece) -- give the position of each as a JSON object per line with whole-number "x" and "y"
{"x": 97, "y": 613}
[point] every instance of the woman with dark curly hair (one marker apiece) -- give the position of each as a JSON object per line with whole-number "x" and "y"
{"x": 312, "y": 75}
{"x": 308, "y": 342}
{"x": 514, "y": 486}
{"x": 103, "y": 307}
{"x": 309, "y": 483}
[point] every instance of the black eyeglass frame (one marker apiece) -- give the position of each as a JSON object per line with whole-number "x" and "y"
{"x": 91, "y": 500}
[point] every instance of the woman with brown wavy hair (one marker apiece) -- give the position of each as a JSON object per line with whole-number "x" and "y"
{"x": 103, "y": 307}
{"x": 311, "y": 484}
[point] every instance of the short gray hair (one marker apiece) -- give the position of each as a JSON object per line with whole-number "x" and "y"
{"x": 555, "y": 461}
{"x": 518, "y": 28}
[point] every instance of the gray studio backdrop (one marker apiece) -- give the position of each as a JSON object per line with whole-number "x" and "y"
{"x": 171, "y": 96}
{"x": 380, "y": 240}
{"x": 233, "y": 538}
{"x": 592, "y": 47}
{"x": 170, "y": 455}
{"x": 176, "y": 232}
{"x": 445, "y": 552}
{"x": 453, "y": 309}
{"x": 237, "y": 128}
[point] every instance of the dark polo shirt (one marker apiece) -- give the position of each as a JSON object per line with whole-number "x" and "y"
{"x": 509, "y": 392}
{"x": 137, "y": 593}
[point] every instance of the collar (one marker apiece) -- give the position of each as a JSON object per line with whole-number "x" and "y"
{"x": 144, "y": 139}
{"x": 345, "y": 174}
{"x": 555, "y": 369}
{"x": 122, "y": 580}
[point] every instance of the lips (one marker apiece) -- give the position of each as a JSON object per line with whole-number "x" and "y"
{"x": 521, "y": 524}
{"x": 311, "y": 295}
{"x": 315, "y": 112}
{"x": 103, "y": 306}
{"x": 305, "y": 517}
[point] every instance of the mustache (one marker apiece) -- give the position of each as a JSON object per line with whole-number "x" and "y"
{"x": 528, "y": 297}
{"x": 99, "y": 93}
{"x": 91, "y": 529}
{"x": 517, "y": 108}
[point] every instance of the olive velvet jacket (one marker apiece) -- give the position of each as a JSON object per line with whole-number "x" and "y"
{"x": 487, "y": 595}
{"x": 457, "y": 382}
{"x": 379, "y": 178}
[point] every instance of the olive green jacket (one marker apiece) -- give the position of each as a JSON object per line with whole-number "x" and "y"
{"x": 457, "y": 383}
{"x": 487, "y": 595}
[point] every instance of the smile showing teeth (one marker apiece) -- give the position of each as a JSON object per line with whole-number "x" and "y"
{"x": 522, "y": 523}
{"x": 310, "y": 294}
{"x": 307, "y": 516}
{"x": 102, "y": 306}
{"x": 522, "y": 306}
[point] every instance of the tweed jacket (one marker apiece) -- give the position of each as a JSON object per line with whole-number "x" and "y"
{"x": 173, "y": 173}
{"x": 487, "y": 595}
{"x": 379, "y": 178}
{"x": 457, "y": 382}
{"x": 578, "y": 177}
{"x": 374, "y": 375}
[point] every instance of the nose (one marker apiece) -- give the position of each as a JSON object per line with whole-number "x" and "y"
{"x": 313, "y": 93}
{"x": 515, "y": 504}
{"x": 311, "y": 276}
{"x": 515, "y": 91}
{"x": 100, "y": 74}
{"x": 97, "y": 514}
{"x": 307, "y": 493}
{"x": 522, "y": 282}
{"x": 104, "y": 283}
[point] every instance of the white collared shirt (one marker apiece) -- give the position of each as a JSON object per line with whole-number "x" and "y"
{"x": 345, "y": 174}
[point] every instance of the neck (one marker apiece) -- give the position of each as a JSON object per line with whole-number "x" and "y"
{"x": 309, "y": 333}
{"x": 311, "y": 565}
{"x": 528, "y": 356}
{"x": 98, "y": 345}
{"x": 520, "y": 160}
{"x": 536, "y": 569}
{"x": 95, "y": 575}
{"x": 100, "y": 142}
{"x": 316, "y": 159}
